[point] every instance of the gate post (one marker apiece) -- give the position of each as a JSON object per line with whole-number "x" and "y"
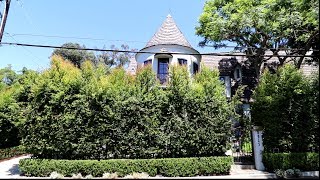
{"x": 257, "y": 147}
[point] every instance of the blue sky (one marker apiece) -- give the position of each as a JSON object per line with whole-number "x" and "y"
{"x": 117, "y": 22}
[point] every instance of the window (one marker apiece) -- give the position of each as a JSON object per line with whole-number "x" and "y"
{"x": 182, "y": 61}
{"x": 163, "y": 69}
{"x": 195, "y": 68}
{"x": 237, "y": 74}
{"x": 149, "y": 61}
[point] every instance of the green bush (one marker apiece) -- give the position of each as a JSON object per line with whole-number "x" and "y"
{"x": 11, "y": 152}
{"x": 302, "y": 161}
{"x": 87, "y": 114}
{"x": 9, "y": 132}
{"x": 170, "y": 167}
{"x": 287, "y": 107}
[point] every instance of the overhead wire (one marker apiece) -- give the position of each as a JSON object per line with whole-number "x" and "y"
{"x": 26, "y": 50}
{"x": 148, "y": 52}
{"x": 134, "y": 41}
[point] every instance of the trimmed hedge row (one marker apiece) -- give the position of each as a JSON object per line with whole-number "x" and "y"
{"x": 73, "y": 113}
{"x": 302, "y": 161}
{"x": 170, "y": 167}
{"x": 11, "y": 152}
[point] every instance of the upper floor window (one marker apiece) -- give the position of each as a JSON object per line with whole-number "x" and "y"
{"x": 182, "y": 61}
{"x": 163, "y": 70}
{"x": 146, "y": 62}
{"x": 195, "y": 68}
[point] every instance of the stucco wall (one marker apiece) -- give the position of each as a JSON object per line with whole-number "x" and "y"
{"x": 141, "y": 57}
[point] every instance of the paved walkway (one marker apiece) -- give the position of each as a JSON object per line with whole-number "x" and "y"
{"x": 9, "y": 169}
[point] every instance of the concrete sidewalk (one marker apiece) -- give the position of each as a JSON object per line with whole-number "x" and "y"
{"x": 10, "y": 168}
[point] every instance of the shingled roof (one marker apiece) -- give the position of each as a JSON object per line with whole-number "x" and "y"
{"x": 168, "y": 34}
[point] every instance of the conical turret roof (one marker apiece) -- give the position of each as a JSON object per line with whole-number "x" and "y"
{"x": 168, "y": 34}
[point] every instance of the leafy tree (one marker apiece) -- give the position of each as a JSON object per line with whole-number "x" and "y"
{"x": 262, "y": 25}
{"x": 73, "y": 54}
{"x": 116, "y": 58}
{"x": 13, "y": 102}
{"x": 7, "y": 76}
{"x": 286, "y": 108}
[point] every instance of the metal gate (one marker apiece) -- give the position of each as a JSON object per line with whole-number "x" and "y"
{"x": 242, "y": 150}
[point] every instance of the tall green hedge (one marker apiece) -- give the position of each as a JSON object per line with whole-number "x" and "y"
{"x": 88, "y": 113}
{"x": 13, "y": 102}
{"x": 168, "y": 167}
{"x": 287, "y": 107}
{"x": 302, "y": 161}
{"x": 9, "y": 115}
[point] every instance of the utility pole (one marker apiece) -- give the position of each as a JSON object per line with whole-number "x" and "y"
{"x": 4, "y": 18}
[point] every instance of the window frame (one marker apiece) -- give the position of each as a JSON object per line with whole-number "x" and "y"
{"x": 182, "y": 62}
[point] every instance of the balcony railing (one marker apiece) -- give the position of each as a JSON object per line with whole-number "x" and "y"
{"x": 163, "y": 78}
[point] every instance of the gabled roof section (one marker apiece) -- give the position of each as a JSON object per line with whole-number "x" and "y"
{"x": 168, "y": 34}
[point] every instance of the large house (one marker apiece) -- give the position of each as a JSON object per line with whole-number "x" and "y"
{"x": 169, "y": 46}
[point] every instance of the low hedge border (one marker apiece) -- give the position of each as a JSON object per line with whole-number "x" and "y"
{"x": 304, "y": 161}
{"x": 169, "y": 167}
{"x": 11, "y": 152}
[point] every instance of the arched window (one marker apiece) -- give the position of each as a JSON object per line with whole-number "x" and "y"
{"x": 182, "y": 61}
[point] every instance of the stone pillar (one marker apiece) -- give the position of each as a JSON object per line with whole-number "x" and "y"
{"x": 257, "y": 147}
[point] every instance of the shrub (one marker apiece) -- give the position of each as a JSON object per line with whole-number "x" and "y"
{"x": 302, "y": 161}
{"x": 9, "y": 132}
{"x": 11, "y": 152}
{"x": 85, "y": 114}
{"x": 170, "y": 167}
{"x": 286, "y": 106}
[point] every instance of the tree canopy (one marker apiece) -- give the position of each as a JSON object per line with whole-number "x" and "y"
{"x": 74, "y": 53}
{"x": 261, "y": 25}
{"x": 77, "y": 57}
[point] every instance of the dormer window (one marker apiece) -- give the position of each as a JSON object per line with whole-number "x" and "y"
{"x": 147, "y": 62}
{"x": 182, "y": 61}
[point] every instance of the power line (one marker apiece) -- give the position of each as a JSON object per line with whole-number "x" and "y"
{"x": 26, "y": 14}
{"x": 26, "y": 50}
{"x": 148, "y": 52}
{"x": 133, "y": 41}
